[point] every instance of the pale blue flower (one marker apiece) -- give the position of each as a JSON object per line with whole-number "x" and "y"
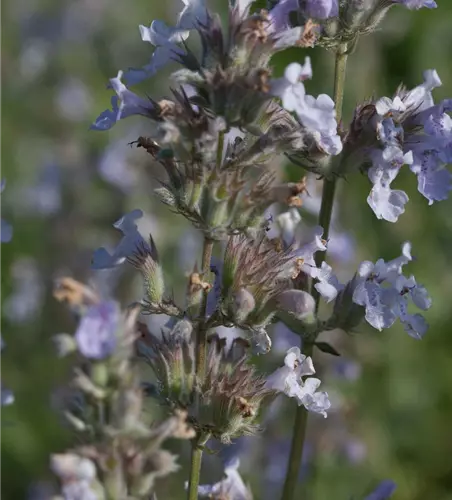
{"x": 96, "y": 335}
{"x": 383, "y": 491}
{"x": 231, "y": 487}
{"x": 384, "y": 292}
{"x": 279, "y": 14}
{"x": 288, "y": 379}
{"x": 387, "y": 203}
{"x": 328, "y": 285}
{"x": 416, "y": 4}
{"x": 320, "y": 9}
{"x": 194, "y": 14}
{"x": 319, "y": 116}
{"x": 6, "y": 230}
{"x": 316, "y": 114}
{"x": 290, "y": 88}
{"x": 7, "y": 396}
{"x": 125, "y": 103}
{"x": 420, "y": 98}
{"x": 166, "y": 41}
{"x": 129, "y": 243}
{"x": 25, "y": 302}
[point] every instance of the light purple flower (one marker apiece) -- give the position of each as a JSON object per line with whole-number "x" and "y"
{"x": 231, "y": 487}
{"x": 279, "y": 14}
{"x": 25, "y": 302}
{"x": 193, "y": 14}
{"x": 288, "y": 379}
{"x": 290, "y": 88}
{"x": 102, "y": 259}
{"x": 320, "y": 9}
{"x": 6, "y": 395}
{"x": 97, "y": 330}
{"x": 383, "y": 491}
{"x": 328, "y": 285}
{"x": 307, "y": 251}
{"x": 411, "y": 130}
{"x": 387, "y": 203}
{"x": 76, "y": 475}
{"x": 416, "y": 4}
{"x": 316, "y": 114}
{"x": 384, "y": 292}
{"x": 125, "y": 103}
{"x": 319, "y": 116}
{"x": 166, "y": 41}
{"x": 6, "y": 230}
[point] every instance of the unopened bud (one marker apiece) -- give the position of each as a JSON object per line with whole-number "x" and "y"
{"x": 146, "y": 261}
{"x": 298, "y": 303}
{"x": 242, "y": 305}
{"x": 70, "y": 466}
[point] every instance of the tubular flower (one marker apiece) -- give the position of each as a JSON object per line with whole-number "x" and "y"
{"x": 288, "y": 379}
{"x": 411, "y": 130}
{"x": 384, "y": 292}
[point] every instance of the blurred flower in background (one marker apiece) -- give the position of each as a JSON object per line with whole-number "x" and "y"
{"x": 66, "y": 186}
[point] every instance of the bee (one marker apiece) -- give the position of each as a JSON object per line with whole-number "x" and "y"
{"x": 148, "y": 144}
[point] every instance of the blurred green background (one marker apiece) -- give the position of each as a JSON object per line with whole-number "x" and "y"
{"x": 66, "y": 185}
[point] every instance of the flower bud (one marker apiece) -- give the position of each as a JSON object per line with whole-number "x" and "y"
{"x": 242, "y": 305}
{"x": 172, "y": 357}
{"x": 297, "y": 303}
{"x": 145, "y": 259}
{"x": 71, "y": 466}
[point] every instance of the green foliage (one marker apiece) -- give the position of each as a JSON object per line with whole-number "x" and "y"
{"x": 401, "y": 407}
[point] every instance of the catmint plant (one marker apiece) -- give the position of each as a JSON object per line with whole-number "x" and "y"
{"x": 225, "y": 120}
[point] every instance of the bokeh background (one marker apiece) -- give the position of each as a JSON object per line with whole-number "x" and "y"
{"x": 66, "y": 185}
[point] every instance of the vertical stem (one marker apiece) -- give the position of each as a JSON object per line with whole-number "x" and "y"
{"x": 329, "y": 185}
{"x": 201, "y": 340}
{"x": 201, "y": 348}
{"x": 326, "y": 210}
{"x": 196, "y": 457}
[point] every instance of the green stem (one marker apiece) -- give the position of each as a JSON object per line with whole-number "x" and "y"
{"x": 329, "y": 185}
{"x": 195, "y": 472}
{"x": 326, "y": 210}
{"x": 201, "y": 340}
{"x": 201, "y": 347}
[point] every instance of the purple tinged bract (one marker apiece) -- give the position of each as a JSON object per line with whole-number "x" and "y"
{"x": 96, "y": 335}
